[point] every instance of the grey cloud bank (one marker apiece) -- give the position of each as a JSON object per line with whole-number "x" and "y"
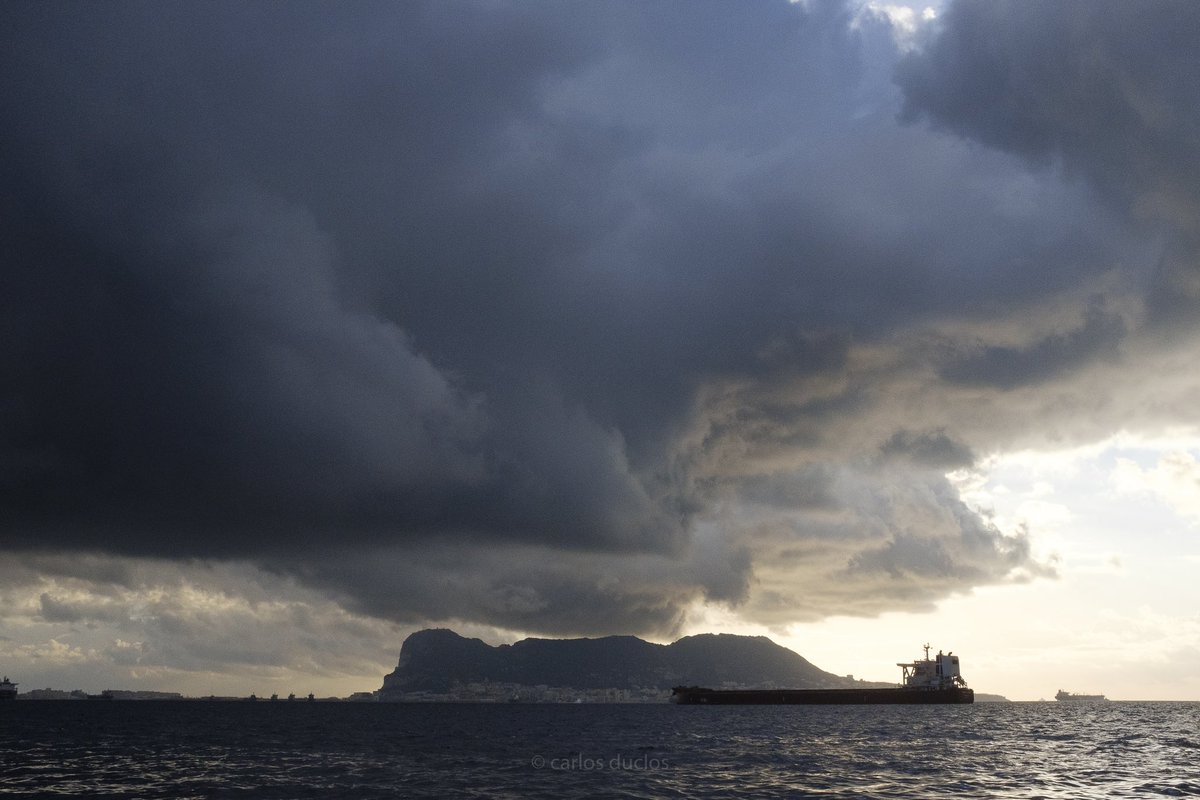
{"x": 565, "y": 318}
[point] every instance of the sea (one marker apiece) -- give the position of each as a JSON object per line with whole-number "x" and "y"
{"x": 197, "y": 749}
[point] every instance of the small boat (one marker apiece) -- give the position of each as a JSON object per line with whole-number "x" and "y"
{"x": 1067, "y": 697}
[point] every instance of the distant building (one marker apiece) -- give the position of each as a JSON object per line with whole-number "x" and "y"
{"x": 48, "y": 694}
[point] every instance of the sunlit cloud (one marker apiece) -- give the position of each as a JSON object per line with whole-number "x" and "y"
{"x": 1174, "y": 479}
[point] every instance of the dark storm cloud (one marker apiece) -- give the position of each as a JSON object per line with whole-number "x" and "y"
{"x": 515, "y": 588}
{"x": 805, "y": 488}
{"x": 379, "y": 270}
{"x": 556, "y": 317}
{"x": 1049, "y": 357}
{"x": 192, "y": 338}
{"x": 56, "y": 610}
{"x": 964, "y": 557}
{"x": 895, "y": 533}
{"x": 929, "y": 448}
{"x": 1105, "y": 89}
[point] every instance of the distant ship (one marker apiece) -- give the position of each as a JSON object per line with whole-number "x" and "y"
{"x": 1067, "y": 697}
{"x": 8, "y": 689}
{"x": 928, "y": 680}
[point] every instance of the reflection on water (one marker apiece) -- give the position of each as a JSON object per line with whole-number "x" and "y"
{"x": 204, "y": 750}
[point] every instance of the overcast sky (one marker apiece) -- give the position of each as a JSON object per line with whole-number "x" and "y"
{"x": 855, "y": 325}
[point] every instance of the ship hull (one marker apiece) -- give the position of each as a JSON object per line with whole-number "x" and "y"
{"x": 692, "y": 695}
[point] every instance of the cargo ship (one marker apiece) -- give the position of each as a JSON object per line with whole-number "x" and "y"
{"x": 1067, "y": 697}
{"x": 927, "y": 680}
{"x": 8, "y": 689}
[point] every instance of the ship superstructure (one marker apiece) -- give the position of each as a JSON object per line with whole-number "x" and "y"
{"x": 8, "y": 689}
{"x": 940, "y": 672}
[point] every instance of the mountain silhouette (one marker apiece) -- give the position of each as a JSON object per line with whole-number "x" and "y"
{"x": 437, "y": 659}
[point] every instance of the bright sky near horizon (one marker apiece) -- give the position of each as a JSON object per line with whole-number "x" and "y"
{"x": 1120, "y": 616}
{"x": 855, "y": 325}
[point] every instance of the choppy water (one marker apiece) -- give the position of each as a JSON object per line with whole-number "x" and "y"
{"x": 318, "y": 750}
